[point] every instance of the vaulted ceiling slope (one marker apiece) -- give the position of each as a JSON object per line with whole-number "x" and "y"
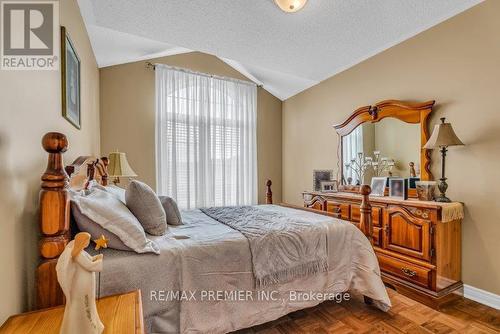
{"x": 287, "y": 53}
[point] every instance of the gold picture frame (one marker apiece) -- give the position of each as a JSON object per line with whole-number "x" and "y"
{"x": 70, "y": 81}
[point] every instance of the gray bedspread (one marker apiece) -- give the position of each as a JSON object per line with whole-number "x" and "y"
{"x": 202, "y": 281}
{"x": 283, "y": 247}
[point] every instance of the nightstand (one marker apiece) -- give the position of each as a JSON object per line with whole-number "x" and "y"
{"x": 119, "y": 313}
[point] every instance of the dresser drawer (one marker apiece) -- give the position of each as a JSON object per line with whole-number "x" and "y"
{"x": 335, "y": 207}
{"x": 377, "y": 236}
{"x": 376, "y": 214}
{"x": 408, "y": 271}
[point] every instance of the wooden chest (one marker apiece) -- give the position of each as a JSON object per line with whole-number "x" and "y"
{"x": 419, "y": 253}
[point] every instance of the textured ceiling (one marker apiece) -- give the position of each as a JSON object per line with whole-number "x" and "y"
{"x": 287, "y": 53}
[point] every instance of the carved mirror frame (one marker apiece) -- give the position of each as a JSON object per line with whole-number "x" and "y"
{"x": 414, "y": 113}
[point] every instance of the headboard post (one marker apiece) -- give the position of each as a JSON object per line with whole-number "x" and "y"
{"x": 54, "y": 221}
{"x": 365, "y": 222}
{"x": 269, "y": 193}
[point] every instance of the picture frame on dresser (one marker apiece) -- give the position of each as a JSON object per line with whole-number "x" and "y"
{"x": 398, "y": 188}
{"x": 321, "y": 175}
{"x": 378, "y": 185}
{"x": 329, "y": 186}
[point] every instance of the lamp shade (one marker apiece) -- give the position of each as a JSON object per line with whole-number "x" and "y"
{"x": 119, "y": 166}
{"x": 443, "y": 136}
{"x": 290, "y": 6}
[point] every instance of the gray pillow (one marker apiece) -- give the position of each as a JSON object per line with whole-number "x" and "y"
{"x": 171, "y": 210}
{"x": 146, "y": 207}
{"x": 111, "y": 214}
{"x": 85, "y": 224}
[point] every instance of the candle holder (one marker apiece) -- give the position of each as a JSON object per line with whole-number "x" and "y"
{"x": 379, "y": 164}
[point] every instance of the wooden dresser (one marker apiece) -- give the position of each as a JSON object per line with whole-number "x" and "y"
{"x": 419, "y": 253}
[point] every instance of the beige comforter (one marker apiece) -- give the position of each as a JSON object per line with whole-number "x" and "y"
{"x": 202, "y": 281}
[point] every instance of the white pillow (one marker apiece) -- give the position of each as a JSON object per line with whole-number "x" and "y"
{"x": 110, "y": 213}
{"x": 114, "y": 190}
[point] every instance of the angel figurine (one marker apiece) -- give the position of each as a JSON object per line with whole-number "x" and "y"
{"x": 76, "y": 275}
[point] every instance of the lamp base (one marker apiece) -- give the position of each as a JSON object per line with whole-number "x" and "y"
{"x": 442, "y": 199}
{"x": 442, "y": 186}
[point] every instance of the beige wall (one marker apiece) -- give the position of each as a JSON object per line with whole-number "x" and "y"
{"x": 458, "y": 64}
{"x": 128, "y": 116}
{"x": 30, "y": 105}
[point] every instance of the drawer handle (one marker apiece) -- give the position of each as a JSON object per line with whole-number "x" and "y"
{"x": 408, "y": 272}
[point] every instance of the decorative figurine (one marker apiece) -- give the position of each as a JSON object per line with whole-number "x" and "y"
{"x": 413, "y": 173}
{"x": 100, "y": 243}
{"x": 76, "y": 275}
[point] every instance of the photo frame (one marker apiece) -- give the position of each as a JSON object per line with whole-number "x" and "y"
{"x": 321, "y": 175}
{"x": 70, "y": 81}
{"x": 398, "y": 188}
{"x": 378, "y": 185}
{"x": 329, "y": 186}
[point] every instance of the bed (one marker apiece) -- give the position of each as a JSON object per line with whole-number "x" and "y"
{"x": 203, "y": 280}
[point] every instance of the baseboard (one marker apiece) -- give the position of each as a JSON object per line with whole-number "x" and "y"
{"x": 481, "y": 296}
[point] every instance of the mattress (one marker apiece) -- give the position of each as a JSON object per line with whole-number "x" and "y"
{"x": 202, "y": 280}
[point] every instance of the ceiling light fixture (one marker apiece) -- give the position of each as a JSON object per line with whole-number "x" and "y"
{"x": 290, "y": 6}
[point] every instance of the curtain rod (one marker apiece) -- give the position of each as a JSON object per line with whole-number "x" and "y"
{"x": 185, "y": 70}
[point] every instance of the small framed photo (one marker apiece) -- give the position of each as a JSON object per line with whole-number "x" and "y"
{"x": 321, "y": 175}
{"x": 70, "y": 80}
{"x": 398, "y": 187}
{"x": 378, "y": 186}
{"x": 329, "y": 186}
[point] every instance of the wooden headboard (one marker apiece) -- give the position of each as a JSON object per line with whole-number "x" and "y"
{"x": 55, "y": 211}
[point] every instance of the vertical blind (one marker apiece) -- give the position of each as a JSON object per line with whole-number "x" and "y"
{"x": 206, "y": 139}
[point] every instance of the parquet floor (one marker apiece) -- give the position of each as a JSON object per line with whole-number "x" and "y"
{"x": 406, "y": 316}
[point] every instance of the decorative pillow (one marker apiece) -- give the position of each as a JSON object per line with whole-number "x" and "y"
{"x": 146, "y": 206}
{"x": 85, "y": 224}
{"x": 171, "y": 210}
{"x": 111, "y": 214}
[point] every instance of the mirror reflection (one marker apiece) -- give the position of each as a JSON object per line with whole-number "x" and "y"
{"x": 389, "y": 147}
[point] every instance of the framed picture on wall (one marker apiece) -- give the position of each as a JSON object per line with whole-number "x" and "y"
{"x": 70, "y": 80}
{"x": 321, "y": 175}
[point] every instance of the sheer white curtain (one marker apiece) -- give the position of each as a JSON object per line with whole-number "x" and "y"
{"x": 206, "y": 139}
{"x": 352, "y": 144}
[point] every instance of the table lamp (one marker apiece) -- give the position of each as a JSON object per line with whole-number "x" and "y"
{"x": 119, "y": 167}
{"x": 442, "y": 137}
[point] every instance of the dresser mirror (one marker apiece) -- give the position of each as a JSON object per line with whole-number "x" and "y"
{"x": 384, "y": 140}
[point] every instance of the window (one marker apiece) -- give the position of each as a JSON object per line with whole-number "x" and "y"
{"x": 206, "y": 139}
{"x": 352, "y": 144}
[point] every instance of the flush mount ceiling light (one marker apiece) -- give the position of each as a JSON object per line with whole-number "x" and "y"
{"x": 290, "y": 6}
